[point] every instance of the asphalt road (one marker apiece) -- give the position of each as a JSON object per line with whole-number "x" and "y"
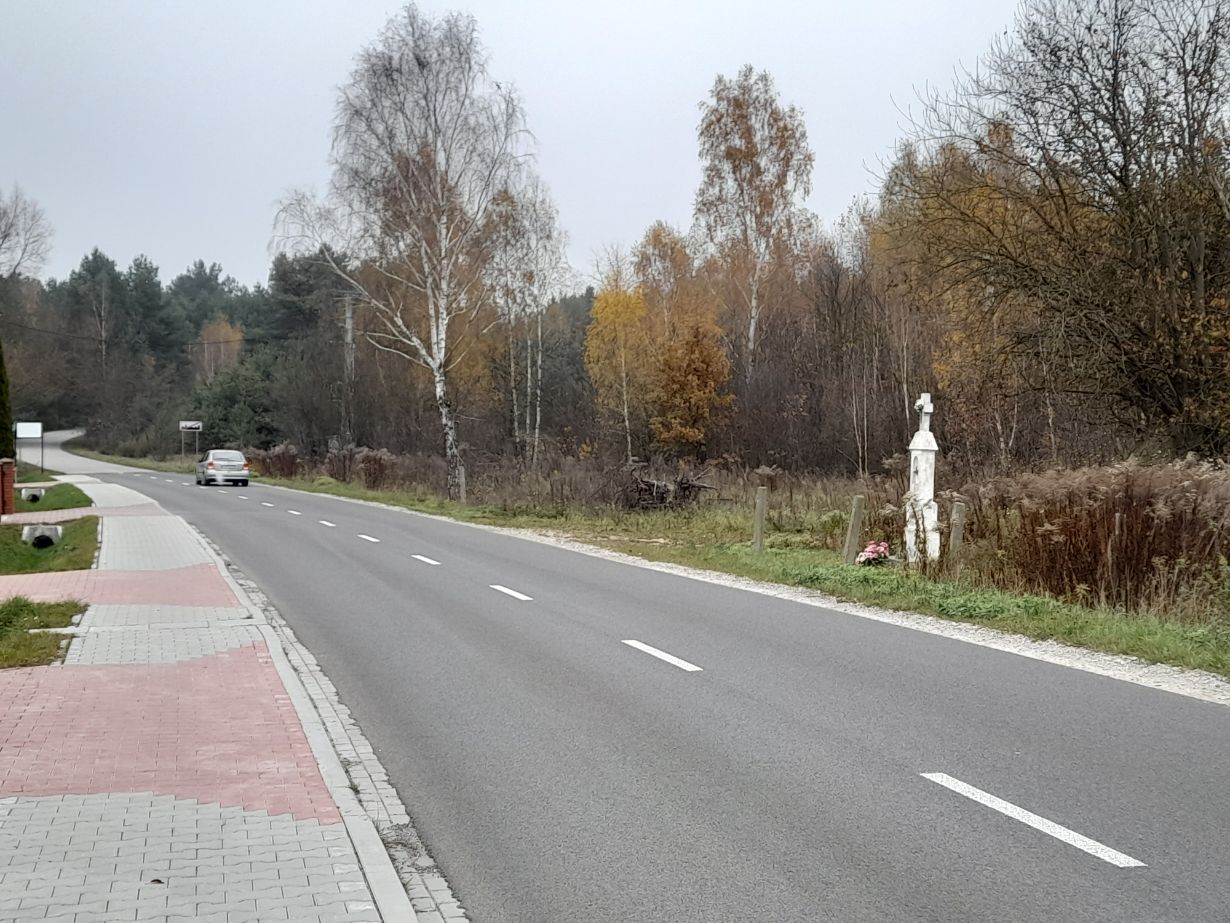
{"x": 558, "y": 773}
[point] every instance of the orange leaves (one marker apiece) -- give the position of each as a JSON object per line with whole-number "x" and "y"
{"x": 688, "y": 390}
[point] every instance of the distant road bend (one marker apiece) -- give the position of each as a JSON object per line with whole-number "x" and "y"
{"x": 582, "y": 740}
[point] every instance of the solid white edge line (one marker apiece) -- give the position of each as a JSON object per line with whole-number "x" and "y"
{"x": 1059, "y": 832}
{"x": 513, "y": 593}
{"x": 662, "y": 655}
{"x": 325, "y": 522}
{"x": 425, "y": 559}
{"x": 368, "y": 538}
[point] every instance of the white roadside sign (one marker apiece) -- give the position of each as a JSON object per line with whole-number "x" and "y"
{"x": 190, "y": 426}
{"x": 28, "y": 430}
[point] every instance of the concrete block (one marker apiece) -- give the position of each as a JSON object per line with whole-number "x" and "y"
{"x": 42, "y": 536}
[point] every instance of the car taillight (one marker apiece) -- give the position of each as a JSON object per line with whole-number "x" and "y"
{"x": 245, "y": 466}
{"x": 209, "y": 464}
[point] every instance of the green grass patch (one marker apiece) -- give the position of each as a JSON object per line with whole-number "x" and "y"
{"x": 60, "y": 497}
{"x": 75, "y": 551}
{"x": 151, "y": 464}
{"x": 20, "y": 648}
{"x": 29, "y": 474}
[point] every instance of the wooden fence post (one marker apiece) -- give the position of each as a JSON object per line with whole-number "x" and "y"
{"x": 855, "y": 529}
{"x": 762, "y": 503}
{"x": 956, "y": 535}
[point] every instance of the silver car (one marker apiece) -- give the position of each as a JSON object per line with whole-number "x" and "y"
{"x": 222, "y": 466}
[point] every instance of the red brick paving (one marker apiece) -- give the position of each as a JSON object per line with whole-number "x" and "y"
{"x": 217, "y": 729}
{"x": 199, "y": 585}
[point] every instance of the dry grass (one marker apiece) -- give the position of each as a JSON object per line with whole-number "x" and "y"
{"x": 1146, "y": 538}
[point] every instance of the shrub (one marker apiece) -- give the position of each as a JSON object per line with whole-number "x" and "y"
{"x": 1139, "y": 537}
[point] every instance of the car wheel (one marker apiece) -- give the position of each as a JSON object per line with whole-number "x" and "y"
{"x": 243, "y": 483}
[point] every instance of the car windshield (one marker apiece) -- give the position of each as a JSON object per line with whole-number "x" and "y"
{"x": 228, "y": 456}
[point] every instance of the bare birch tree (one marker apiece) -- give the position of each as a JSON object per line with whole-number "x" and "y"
{"x": 757, "y": 166}
{"x": 25, "y": 234}
{"x": 425, "y": 140}
{"x": 528, "y": 269}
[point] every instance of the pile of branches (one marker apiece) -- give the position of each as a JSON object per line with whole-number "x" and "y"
{"x": 642, "y": 493}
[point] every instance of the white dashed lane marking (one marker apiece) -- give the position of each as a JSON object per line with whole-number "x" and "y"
{"x": 425, "y": 559}
{"x": 325, "y": 522}
{"x": 263, "y": 503}
{"x": 513, "y": 593}
{"x": 368, "y": 538}
{"x": 242, "y": 497}
{"x": 1071, "y": 837}
{"x": 294, "y": 512}
{"x": 662, "y": 655}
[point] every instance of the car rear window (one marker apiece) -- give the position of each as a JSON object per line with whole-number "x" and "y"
{"x": 228, "y": 456}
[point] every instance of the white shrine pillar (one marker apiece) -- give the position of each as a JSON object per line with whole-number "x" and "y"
{"x": 921, "y": 513}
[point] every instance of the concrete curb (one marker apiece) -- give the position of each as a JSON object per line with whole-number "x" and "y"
{"x": 386, "y": 888}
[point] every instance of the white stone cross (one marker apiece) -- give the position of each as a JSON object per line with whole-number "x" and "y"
{"x": 925, "y": 408}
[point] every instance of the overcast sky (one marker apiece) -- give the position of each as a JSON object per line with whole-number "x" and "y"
{"x": 172, "y": 128}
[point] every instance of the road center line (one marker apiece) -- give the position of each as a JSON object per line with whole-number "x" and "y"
{"x": 325, "y": 522}
{"x": 294, "y": 512}
{"x": 424, "y": 559}
{"x": 263, "y": 503}
{"x": 662, "y": 655}
{"x": 513, "y": 593}
{"x": 368, "y": 538}
{"x": 1071, "y": 837}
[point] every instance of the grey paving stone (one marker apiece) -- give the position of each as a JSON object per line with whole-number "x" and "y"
{"x": 235, "y": 873}
{"x": 149, "y": 543}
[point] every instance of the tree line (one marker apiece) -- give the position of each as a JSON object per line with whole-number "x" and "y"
{"x": 1047, "y": 254}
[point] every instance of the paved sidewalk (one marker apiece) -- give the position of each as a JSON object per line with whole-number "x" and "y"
{"x": 170, "y": 768}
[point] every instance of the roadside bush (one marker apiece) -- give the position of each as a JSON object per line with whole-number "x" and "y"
{"x": 282, "y": 461}
{"x": 1133, "y": 536}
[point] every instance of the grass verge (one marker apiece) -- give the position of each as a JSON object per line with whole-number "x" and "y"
{"x": 20, "y": 648}
{"x": 27, "y": 473}
{"x": 717, "y": 539}
{"x": 60, "y": 497}
{"x": 75, "y": 551}
{"x": 151, "y": 464}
